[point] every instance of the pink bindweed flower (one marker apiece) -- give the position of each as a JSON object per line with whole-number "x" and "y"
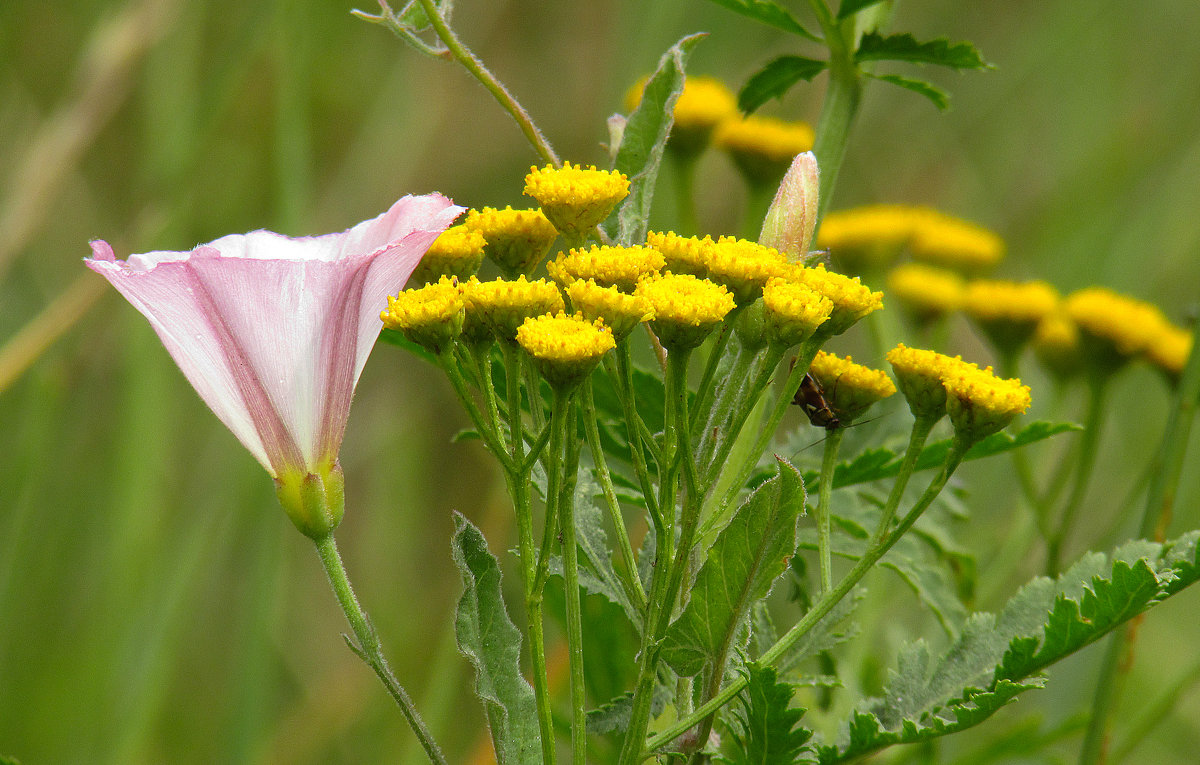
{"x": 273, "y": 333}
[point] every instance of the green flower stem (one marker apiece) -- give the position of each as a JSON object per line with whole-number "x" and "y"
{"x": 833, "y": 442}
{"x": 916, "y": 442}
{"x": 684, "y": 166}
{"x": 747, "y": 396}
{"x": 720, "y": 411}
{"x": 1093, "y": 422}
{"x": 487, "y": 430}
{"x": 1160, "y": 501}
{"x": 368, "y": 647}
{"x": 620, "y": 372}
{"x": 533, "y": 392}
{"x": 880, "y": 544}
{"x": 842, "y": 97}
{"x": 483, "y": 359}
{"x": 707, "y": 388}
{"x": 630, "y": 579}
{"x": 489, "y": 81}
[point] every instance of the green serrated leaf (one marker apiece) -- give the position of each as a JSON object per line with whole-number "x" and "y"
{"x": 764, "y": 726}
{"x": 613, "y": 716}
{"x": 743, "y": 564}
{"x": 492, "y": 643}
{"x": 905, "y": 47}
{"x": 775, "y": 79}
{"x": 644, "y": 138}
{"x": 939, "y": 97}
{"x": 769, "y": 13}
{"x": 851, "y": 7}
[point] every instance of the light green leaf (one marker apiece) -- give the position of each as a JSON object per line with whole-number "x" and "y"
{"x": 492, "y": 643}
{"x": 937, "y": 96}
{"x": 643, "y": 139}
{"x": 769, "y": 13}
{"x": 851, "y": 7}
{"x": 776, "y": 78}
{"x": 743, "y": 564}
{"x": 905, "y": 47}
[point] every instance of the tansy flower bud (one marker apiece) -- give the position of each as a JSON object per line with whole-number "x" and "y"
{"x": 925, "y": 293}
{"x": 980, "y": 404}
{"x": 1113, "y": 328}
{"x": 517, "y": 240}
{"x": 1009, "y": 312}
{"x": 793, "y": 311}
{"x": 849, "y": 388}
{"x": 502, "y": 305}
{"x": 762, "y": 147}
{"x": 868, "y": 238}
{"x": 457, "y": 252}
{"x": 950, "y": 242}
{"x": 792, "y": 216}
{"x": 620, "y": 312}
{"x": 431, "y": 316}
{"x": 576, "y": 199}
{"x": 919, "y": 375}
{"x": 703, "y": 104}
{"x": 851, "y": 299}
{"x": 620, "y": 267}
{"x": 565, "y": 349}
{"x": 686, "y": 309}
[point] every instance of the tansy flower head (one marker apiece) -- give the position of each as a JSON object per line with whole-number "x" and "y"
{"x": 704, "y": 103}
{"x": 576, "y": 199}
{"x": 430, "y": 316}
{"x": 1169, "y": 350}
{"x": 1113, "y": 328}
{"x": 682, "y": 254}
{"x": 565, "y": 349}
{"x": 1009, "y": 312}
{"x": 919, "y": 375}
{"x": 744, "y": 267}
{"x": 457, "y": 252}
{"x": 849, "y": 388}
{"x": 502, "y": 305}
{"x": 852, "y": 300}
{"x": 608, "y": 266}
{"x": 620, "y": 312}
{"x": 954, "y": 243}
{"x": 868, "y": 238}
{"x": 516, "y": 240}
{"x": 980, "y": 404}
{"x": 686, "y": 309}
{"x": 793, "y": 311}
{"x": 762, "y": 147}
{"x": 924, "y": 292}
{"x": 1056, "y": 345}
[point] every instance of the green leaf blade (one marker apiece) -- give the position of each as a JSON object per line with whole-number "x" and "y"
{"x": 850, "y": 7}
{"x": 764, "y": 728}
{"x": 770, "y": 13}
{"x": 905, "y": 47}
{"x": 775, "y": 79}
{"x": 936, "y": 96}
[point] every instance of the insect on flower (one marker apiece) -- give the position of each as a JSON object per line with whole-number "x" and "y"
{"x": 811, "y": 399}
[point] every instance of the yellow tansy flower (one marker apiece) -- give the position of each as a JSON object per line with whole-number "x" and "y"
{"x": 868, "y": 238}
{"x": 1113, "y": 328}
{"x": 576, "y": 199}
{"x": 955, "y": 243}
{"x": 431, "y": 316}
{"x": 704, "y": 103}
{"x": 744, "y": 267}
{"x": 516, "y": 240}
{"x": 763, "y": 147}
{"x": 920, "y": 375}
{"x": 1169, "y": 350}
{"x": 620, "y": 312}
{"x": 458, "y": 251}
{"x": 502, "y": 305}
{"x": 686, "y": 309}
{"x": 565, "y": 349}
{"x": 1057, "y": 347}
{"x": 683, "y": 254}
{"x": 1009, "y": 312}
{"x": 608, "y": 266}
{"x": 852, "y": 300}
{"x": 849, "y": 388}
{"x": 980, "y": 403}
{"x": 793, "y": 311}
{"x": 924, "y": 292}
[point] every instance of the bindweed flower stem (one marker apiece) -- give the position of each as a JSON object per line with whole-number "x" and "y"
{"x": 368, "y": 647}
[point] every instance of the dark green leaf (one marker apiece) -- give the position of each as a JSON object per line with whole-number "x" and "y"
{"x": 644, "y": 138}
{"x": 939, "y": 97}
{"x": 743, "y": 564}
{"x": 774, "y": 79}
{"x": 490, "y": 641}
{"x": 397, "y": 338}
{"x": 764, "y": 728}
{"x": 904, "y": 47}
{"x": 769, "y": 13}
{"x": 850, "y": 7}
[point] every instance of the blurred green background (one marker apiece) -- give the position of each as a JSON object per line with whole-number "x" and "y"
{"x": 155, "y": 604}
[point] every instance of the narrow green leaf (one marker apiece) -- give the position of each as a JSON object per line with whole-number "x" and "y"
{"x": 397, "y": 338}
{"x": 643, "y": 139}
{"x": 775, "y": 79}
{"x": 939, "y": 97}
{"x": 905, "y": 47}
{"x": 743, "y": 564}
{"x": 769, "y": 13}
{"x": 764, "y": 727}
{"x": 851, "y": 7}
{"x": 492, "y": 643}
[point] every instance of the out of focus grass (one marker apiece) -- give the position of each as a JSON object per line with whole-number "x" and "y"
{"x": 155, "y": 605}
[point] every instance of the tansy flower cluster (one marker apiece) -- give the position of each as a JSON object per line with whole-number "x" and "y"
{"x": 866, "y": 239}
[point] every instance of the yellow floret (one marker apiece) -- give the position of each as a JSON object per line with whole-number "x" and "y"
{"x": 925, "y": 292}
{"x": 686, "y": 309}
{"x": 565, "y": 348}
{"x": 431, "y": 316}
{"x": 1009, "y": 312}
{"x": 683, "y": 254}
{"x": 852, "y": 300}
{"x": 1169, "y": 350}
{"x": 793, "y": 311}
{"x": 501, "y": 305}
{"x": 576, "y": 199}
{"x": 1056, "y": 344}
{"x": 920, "y": 374}
{"x": 763, "y": 147}
{"x": 458, "y": 251}
{"x": 980, "y": 404}
{"x": 516, "y": 240}
{"x": 1113, "y": 328}
{"x": 955, "y": 243}
{"x": 621, "y": 312}
{"x": 744, "y": 267}
{"x": 849, "y": 388}
{"x": 608, "y": 266}
{"x": 867, "y": 238}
